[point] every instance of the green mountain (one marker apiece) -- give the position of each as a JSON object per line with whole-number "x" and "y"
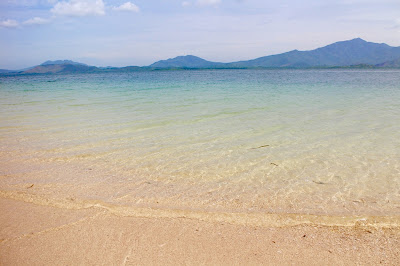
{"x": 188, "y": 61}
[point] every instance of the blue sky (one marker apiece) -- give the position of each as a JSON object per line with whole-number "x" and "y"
{"x": 139, "y": 32}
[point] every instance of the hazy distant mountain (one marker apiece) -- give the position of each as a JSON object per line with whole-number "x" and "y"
{"x": 390, "y": 64}
{"x": 5, "y": 71}
{"x": 345, "y": 53}
{"x": 355, "y": 53}
{"x": 57, "y": 66}
{"x": 188, "y": 61}
{"x": 62, "y": 62}
{"x": 61, "y": 68}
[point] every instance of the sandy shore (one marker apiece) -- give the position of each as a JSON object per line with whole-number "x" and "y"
{"x": 31, "y": 234}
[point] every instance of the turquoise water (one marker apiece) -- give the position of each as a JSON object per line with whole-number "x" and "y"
{"x": 320, "y": 142}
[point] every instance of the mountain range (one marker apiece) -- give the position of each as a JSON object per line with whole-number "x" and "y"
{"x": 352, "y": 53}
{"x": 345, "y": 53}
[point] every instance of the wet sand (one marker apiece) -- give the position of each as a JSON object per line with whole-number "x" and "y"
{"x": 32, "y": 234}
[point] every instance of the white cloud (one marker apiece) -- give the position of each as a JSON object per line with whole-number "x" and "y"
{"x": 208, "y": 2}
{"x": 128, "y": 6}
{"x": 186, "y": 3}
{"x": 36, "y": 21}
{"x": 9, "y": 23}
{"x": 79, "y": 8}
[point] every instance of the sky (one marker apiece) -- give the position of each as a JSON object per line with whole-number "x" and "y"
{"x": 140, "y": 32}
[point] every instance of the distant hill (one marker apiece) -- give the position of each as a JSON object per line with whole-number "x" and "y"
{"x": 5, "y": 71}
{"x": 390, "y": 64}
{"x": 344, "y": 53}
{"x": 62, "y": 62}
{"x": 188, "y": 61}
{"x": 355, "y": 53}
{"x": 61, "y": 68}
{"x": 53, "y": 67}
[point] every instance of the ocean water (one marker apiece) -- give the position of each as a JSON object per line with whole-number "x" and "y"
{"x": 286, "y": 144}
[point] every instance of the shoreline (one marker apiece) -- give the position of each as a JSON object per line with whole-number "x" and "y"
{"x": 234, "y": 218}
{"x": 36, "y": 234}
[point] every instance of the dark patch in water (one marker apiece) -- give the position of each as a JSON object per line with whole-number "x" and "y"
{"x": 319, "y": 182}
{"x": 263, "y": 146}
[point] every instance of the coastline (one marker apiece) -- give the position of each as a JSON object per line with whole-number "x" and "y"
{"x": 36, "y": 235}
{"x": 259, "y": 219}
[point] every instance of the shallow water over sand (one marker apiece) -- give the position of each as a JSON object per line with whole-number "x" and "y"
{"x": 316, "y": 142}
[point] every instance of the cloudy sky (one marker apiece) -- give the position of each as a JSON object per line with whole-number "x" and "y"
{"x": 139, "y": 32}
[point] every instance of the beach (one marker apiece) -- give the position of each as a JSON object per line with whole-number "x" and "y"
{"x": 38, "y": 229}
{"x": 40, "y": 235}
{"x": 201, "y": 167}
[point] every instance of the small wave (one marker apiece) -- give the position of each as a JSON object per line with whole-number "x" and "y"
{"x": 239, "y": 218}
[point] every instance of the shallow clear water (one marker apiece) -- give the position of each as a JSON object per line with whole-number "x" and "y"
{"x": 321, "y": 142}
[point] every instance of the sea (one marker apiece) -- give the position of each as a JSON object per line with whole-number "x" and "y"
{"x": 258, "y": 147}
